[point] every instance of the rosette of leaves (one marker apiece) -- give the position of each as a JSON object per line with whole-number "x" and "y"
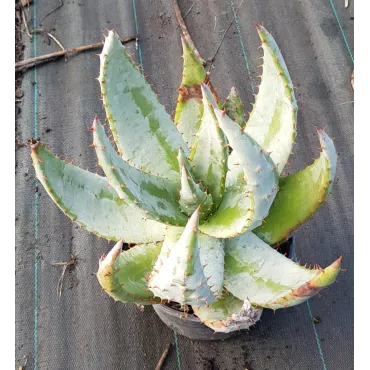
{"x": 201, "y": 198}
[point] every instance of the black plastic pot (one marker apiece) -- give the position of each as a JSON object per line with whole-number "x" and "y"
{"x": 190, "y": 326}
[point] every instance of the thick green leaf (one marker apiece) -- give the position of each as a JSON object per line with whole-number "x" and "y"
{"x": 189, "y": 108}
{"x": 300, "y": 195}
{"x": 209, "y": 154}
{"x": 234, "y": 107}
{"x": 143, "y": 131}
{"x": 123, "y": 274}
{"x": 260, "y": 171}
{"x": 257, "y": 272}
{"x": 228, "y": 314}
{"x": 178, "y": 274}
{"x": 211, "y": 254}
{"x": 272, "y": 122}
{"x": 88, "y": 200}
{"x": 157, "y": 196}
{"x": 191, "y": 193}
{"x": 235, "y": 213}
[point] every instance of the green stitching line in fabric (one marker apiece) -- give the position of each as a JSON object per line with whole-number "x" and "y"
{"x": 321, "y": 353}
{"x": 36, "y": 206}
{"x": 137, "y": 34}
{"x": 342, "y": 32}
{"x": 177, "y": 350}
{"x": 316, "y": 337}
{"x": 142, "y": 71}
{"x": 242, "y": 45}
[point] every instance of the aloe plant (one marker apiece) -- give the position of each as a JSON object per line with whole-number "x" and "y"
{"x": 200, "y": 200}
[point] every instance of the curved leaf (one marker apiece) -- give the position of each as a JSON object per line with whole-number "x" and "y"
{"x": 87, "y": 199}
{"x": 189, "y": 108}
{"x": 209, "y": 154}
{"x": 228, "y": 314}
{"x": 257, "y": 272}
{"x": 191, "y": 193}
{"x": 135, "y": 114}
{"x": 178, "y": 274}
{"x": 272, "y": 122}
{"x": 300, "y": 195}
{"x": 123, "y": 274}
{"x": 259, "y": 169}
{"x": 235, "y": 212}
{"x": 234, "y": 107}
{"x": 157, "y": 196}
{"x": 211, "y": 254}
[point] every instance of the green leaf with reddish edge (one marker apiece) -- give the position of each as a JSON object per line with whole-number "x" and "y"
{"x": 87, "y": 199}
{"x": 234, "y": 107}
{"x": 300, "y": 195}
{"x": 157, "y": 196}
{"x": 209, "y": 154}
{"x": 257, "y": 272}
{"x": 123, "y": 274}
{"x": 141, "y": 127}
{"x": 228, "y": 314}
{"x": 191, "y": 193}
{"x": 272, "y": 122}
{"x": 259, "y": 170}
{"x": 189, "y": 108}
{"x": 178, "y": 274}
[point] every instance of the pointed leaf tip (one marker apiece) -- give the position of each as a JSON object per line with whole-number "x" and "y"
{"x": 300, "y": 195}
{"x": 114, "y": 253}
{"x": 194, "y": 219}
{"x": 209, "y": 154}
{"x": 123, "y": 274}
{"x": 273, "y": 125}
{"x": 258, "y": 26}
{"x": 233, "y": 106}
{"x": 75, "y": 190}
{"x": 189, "y": 108}
{"x": 338, "y": 263}
{"x": 136, "y": 108}
{"x": 179, "y": 274}
{"x": 255, "y": 271}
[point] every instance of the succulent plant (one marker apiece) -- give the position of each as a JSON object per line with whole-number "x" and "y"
{"x": 201, "y": 200}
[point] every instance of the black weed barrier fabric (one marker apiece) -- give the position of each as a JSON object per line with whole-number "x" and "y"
{"x": 84, "y": 328}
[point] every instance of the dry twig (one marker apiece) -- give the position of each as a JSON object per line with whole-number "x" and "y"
{"x": 56, "y": 40}
{"x": 211, "y": 60}
{"x": 26, "y": 24}
{"x": 52, "y": 11}
{"x": 43, "y": 32}
{"x": 163, "y": 357}
{"x": 26, "y": 2}
{"x": 185, "y": 32}
{"x": 22, "y": 367}
{"x": 28, "y": 63}
{"x": 219, "y": 45}
{"x": 186, "y": 14}
{"x": 39, "y": 30}
{"x": 72, "y": 261}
